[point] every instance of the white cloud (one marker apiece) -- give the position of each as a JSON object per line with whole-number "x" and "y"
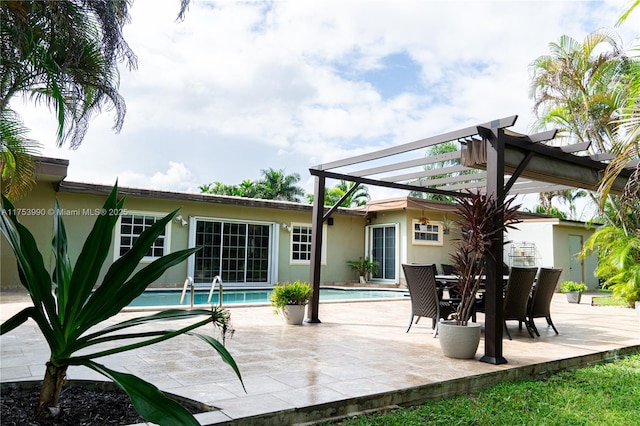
{"x": 243, "y": 86}
{"x": 177, "y": 177}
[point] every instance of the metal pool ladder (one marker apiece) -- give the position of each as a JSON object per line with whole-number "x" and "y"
{"x": 189, "y": 283}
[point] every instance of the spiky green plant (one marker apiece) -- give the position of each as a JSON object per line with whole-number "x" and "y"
{"x": 67, "y": 307}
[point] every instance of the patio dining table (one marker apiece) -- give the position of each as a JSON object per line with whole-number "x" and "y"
{"x": 450, "y": 279}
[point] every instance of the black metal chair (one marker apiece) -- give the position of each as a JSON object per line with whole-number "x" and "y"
{"x": 421, "y": 282}
{"x": 517, "y": 297}
{"x": 449, "y": 269}
{"x": 540, "y": 301}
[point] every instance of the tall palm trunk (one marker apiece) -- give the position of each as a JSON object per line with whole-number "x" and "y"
{"x": 48, "y": 403}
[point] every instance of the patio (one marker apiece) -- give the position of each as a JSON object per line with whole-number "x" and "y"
{"x": 359, "y": 358}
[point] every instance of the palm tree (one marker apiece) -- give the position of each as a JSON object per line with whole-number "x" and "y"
{"x": 628, "y": 128}
{"x": 443, "y": 148}
{"x": 17, "y": 164}
{"x": 63, "y": 54}
{"x": 578, "y": 87}
{"x": 219, "y": 188}
{"x": 247, "y": 188}
{"x": 358, "y": 198}
{"x": 276, "y": 185}
{"x": 569, "y": 196}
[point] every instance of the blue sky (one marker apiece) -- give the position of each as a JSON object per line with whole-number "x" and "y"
{"x": 238, "y": 87}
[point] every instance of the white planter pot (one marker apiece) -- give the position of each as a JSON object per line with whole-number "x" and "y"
{"x": 459, "y": 341}
{"x": 574, "y": 296}
{"x": 363, "y": 279}
{"x": 293, "y": 314}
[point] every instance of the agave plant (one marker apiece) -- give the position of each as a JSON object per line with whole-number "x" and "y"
{"x": 67, "y": 307}
{"x": 477, "y": 214}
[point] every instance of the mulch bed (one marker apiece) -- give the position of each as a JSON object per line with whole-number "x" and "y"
{"x": 81, "y": 406}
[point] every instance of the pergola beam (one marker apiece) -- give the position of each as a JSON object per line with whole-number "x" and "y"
{"x": 419, "y": 144}
{"x": 531, "y": 166}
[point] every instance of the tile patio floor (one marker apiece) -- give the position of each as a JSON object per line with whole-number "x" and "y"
{"x": 358, "y": 358}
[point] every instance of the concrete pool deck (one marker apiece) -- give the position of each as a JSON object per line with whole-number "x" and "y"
{"x": 359, "y": 358}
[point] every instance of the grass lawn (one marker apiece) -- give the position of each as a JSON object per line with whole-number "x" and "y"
{"x": 609, "y": 301}
{"x": 605, "y": 394}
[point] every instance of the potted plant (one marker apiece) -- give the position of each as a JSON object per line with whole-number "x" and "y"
{"x": 364, "y": 267}
{"x": 69, "y": 305}
{"x": 447, "y": 224}
{"x": 290, "y": 299}
{"x": 573, "y": 290}
{"x": 476, "y": 215}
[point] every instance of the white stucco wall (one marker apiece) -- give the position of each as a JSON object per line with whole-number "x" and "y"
{"x": 551, "y": 240}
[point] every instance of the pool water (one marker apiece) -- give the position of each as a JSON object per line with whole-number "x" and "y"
{"x": 251, "y": 296}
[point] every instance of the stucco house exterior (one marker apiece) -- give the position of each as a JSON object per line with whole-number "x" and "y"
{"x": 394, "y": 235}
{"x": 541, "y": 241}
{"x": 258, "y": 243}
{"x": 247, "y": 242}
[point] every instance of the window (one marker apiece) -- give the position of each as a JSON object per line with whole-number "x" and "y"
{"x": 429, "y": 234}
{"x": 301, "y": 243}
{"x": 131, "y": 226}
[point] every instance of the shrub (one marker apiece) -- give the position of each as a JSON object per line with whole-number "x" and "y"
{"x": 569, "y": 286}
{"x": 296, "y": 293}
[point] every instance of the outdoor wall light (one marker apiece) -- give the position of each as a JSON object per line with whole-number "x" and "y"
{"x": 286, "y": 227}
{"x": 180, "y": 220}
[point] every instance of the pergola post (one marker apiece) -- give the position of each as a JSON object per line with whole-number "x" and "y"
{"x": 494, "y": 316}
{"x": 316, "y": 248}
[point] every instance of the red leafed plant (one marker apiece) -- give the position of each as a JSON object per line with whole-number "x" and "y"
{"x": 476, "y": 217}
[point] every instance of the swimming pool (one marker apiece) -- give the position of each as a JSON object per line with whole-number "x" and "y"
{"x": 254, "y": 296}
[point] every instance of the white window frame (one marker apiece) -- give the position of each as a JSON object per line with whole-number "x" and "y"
{"x": 415, "y": 232}
{"x": 293, "y": 261}
{"x": 157, "y": 215}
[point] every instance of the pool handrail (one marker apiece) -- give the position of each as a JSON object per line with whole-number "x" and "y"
{"x": 213, "y": 284}
{"x": 188, "y": 282}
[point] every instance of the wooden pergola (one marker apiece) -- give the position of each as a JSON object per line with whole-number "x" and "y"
{"x": 492, "y": 159}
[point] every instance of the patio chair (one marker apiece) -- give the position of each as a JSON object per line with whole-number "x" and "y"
{"x": 540, "y": 301}
{"x": 517, "y": 297}
{"x": 448, "y": 269}
{"x": 421, "y": 282}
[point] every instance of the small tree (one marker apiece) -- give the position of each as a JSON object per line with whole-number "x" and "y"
{"x": 478, "y": 234}
{"x": 67, "y": 307}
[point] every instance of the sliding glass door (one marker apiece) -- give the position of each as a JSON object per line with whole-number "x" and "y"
{"x": 240, "y": 253}
{"x": 383, "y": 248}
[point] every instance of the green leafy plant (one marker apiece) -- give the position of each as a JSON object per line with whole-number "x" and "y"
{"x": 477, "y": 215}
{"x": 618, "y": 260}
{"x": 571, "y": 286}
{"x": 295, "y": 293}
{"x": 67, "y": 307}
{"x": 363, "y": 266}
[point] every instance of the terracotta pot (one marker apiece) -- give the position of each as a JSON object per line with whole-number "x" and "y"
{"x": 459, "y": 341}
{"x": 293, "y": 314}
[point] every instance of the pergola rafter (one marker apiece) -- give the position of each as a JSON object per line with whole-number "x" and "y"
{"x": 492, "y": 158}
